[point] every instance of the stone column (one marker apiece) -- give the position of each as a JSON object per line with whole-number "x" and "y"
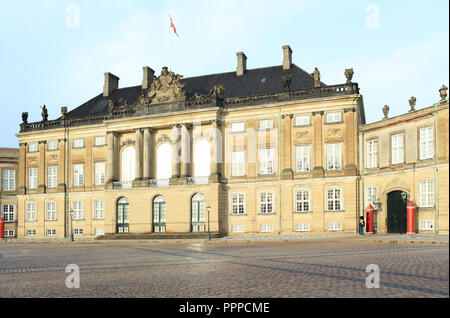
{"x": 146, "y": 154}
{"x": 110, "y": 175}
{"x": 176, "y": 130}
{"x": 138, "y": 157}
{"x": 42, "y": 173}
{"x": 62, "y": 165}
{"x": 217, "y": 151}
{"x": 317, "y": 148}
{"x": 22, "y": 168}
{"x": 286, "y": 141}
{"x": 350, "y": 140}
{"x": 185, "y": 150}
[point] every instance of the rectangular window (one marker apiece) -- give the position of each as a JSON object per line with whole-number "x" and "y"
{"x": 265, "y": 124}
{"x": 50, "y": 211}
{"x": 33, "y": 178}
{"x": 266, "y": 158}
{"x": 31, "y": 211}
{"x": 237, "y": 127}
{"x": 397, "y": 149}
{"x": 266, "y": 228}
{"x": 9, "y": 180}
{"x": 303, "y": 227}
{"x": 302, "y": 200}
{"x": 78, "y": 175}
{"x": 237, "y": 228}
{"x": 52, "y": 145}
{"x": 333, "y": 117}
{"x": 266, "y": 202}
{"x": 99, "y": 209}
{"x": 100, "y": 141}
{"x": 334, "y": 156}
{"x": 52, "y": 176}
{"x": 372, "y": 195}
{"x": 31, "y": 232}
{"x": 334, "y": 226}
{"x": 302, "y": 120}
{"x": 426, "y": 225}
{"x": 426, "y": 194}
{"x": 237, "y": 203}
{"x": 51, "y": 232}
{"x": 78, "y": 210}
{"x": 8, "y": 233}
{"x": 78, "y": 143}
{"x": 33, "y": 147}
{"x": 426, "y": 143}
{"x": 303, "y": 158}
{"x": 78, "y": 231}
{"x": 334, "y": 198}
{"x": 99, "y": 231}
{"x": 372, "y": 153}
{"x": 237, "y": 163}
{"x": 8, "y": 212}
{"x": 100, "y": 173}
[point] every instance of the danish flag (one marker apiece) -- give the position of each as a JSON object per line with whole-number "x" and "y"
{"x": 173, "y": 26}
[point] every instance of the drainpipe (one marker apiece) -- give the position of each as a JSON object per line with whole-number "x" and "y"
{"x": 66, "y": 206}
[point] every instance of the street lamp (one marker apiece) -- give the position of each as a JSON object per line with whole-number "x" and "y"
{"x": 209, "y": 231}
{"x": 404, "y": 195}
{"x": 71, "y": 225}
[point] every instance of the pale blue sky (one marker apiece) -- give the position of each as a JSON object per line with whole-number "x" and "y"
{"x": 43, "y": 61}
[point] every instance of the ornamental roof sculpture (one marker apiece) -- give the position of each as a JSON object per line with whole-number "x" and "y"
{"x": 166, "y": 88}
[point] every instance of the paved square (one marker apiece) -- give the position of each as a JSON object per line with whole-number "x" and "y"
{"x": 329, "y": 267}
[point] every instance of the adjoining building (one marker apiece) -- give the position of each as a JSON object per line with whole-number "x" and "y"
{"x": 262, "y": 151}
{"x": 9, "y": 164}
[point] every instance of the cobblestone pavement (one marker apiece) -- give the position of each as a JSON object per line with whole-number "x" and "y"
{"x": 326, "y": 267}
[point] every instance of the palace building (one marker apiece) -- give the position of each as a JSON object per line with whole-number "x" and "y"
{"x": 9, "y": 164}
{"x": 253, "y": 152}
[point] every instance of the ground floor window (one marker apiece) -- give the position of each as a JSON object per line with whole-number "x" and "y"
{"x": 78, "y": 231}
{"x": 159, "y": 214}
{"x": 426, "y": 225}
{"x": 8, "y": 233}
{"x": 123, "y": 216}
{"x": 51, "y": 232}
{"x": 198, "y": 210}
{"x": 31, "y": 232}
{"x": 266, "y": 228}
{"x": 334, "y": 226}
{"x": 334, "y": 199}
{"x": 302, "y": 227}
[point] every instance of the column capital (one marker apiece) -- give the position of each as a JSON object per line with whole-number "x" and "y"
{"x": 287, "y": 116}
{"x": 352, "y": 109}
{"x": 111, "y": 133}
{"x": 43, "y": 142}
{"x": 318, "y": 113}
{"x": 22, "y": 144}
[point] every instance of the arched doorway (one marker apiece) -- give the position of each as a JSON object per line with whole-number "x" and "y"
{"x": 159, "y": 214}
{"x": 123, "y": 216}
{"x": 198, "y": 213}
{"x": 396, "y": 212}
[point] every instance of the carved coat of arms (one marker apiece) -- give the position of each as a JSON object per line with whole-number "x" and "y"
{"x": 166, "y": 88}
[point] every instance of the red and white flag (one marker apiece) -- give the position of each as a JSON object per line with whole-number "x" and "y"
{"x": 173, "y": 26}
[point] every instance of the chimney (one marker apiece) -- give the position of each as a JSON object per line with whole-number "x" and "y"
{"x": 287, "y": 57}
{"x": 111, "y": 83}
{"x": 242, "y": 64}
{"x": 148, "y": 77}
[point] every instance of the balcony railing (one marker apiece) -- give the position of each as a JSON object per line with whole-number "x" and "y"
{"x": 197, "y": 180}
{"x": 160, "y": 183}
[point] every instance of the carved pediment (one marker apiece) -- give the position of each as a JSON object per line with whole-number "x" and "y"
{"x": 166, "y": 88}
{"x": 128, "y": 142}
{"x": 303, "y": 135}
{"x": 164, "y": 138}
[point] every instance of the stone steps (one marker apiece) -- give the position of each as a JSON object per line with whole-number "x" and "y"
{"x": 158, "y": 236}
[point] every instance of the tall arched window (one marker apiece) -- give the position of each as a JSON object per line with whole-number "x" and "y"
{"x": 128, "y": 167}
{"x": 198, "y": 210}
{"x": 123, "y": 216}
{"x": 159, "y": 214}
{"x": 164, "y": 162}
{"x": 202, "y": 159}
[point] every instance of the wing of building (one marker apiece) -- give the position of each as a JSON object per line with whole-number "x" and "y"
{"x": 262, "y": 151}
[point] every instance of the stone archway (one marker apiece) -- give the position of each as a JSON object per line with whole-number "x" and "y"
{"x": 396, "y": 212}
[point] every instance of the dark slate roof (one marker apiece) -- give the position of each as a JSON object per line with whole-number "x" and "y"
{"x": 261, "y": 81}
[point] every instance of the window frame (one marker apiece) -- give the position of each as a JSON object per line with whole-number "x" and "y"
{"x": 333, "y": 121}
{"x": 372, "y": 153}
{"x": 8, "y": 181}
{"x": 266, "y": 203}
{"x": 296, "y": 200}
{"x": 239, "y": 164}
{"x": 33, "y": 179}
{"x": 33, "y": 149}
{"x": 32, "y": 212}
{"x": 52, "y": 178}
{"x": 237, "y": 131}
{"x": 266, "y": 121}
{"x": 308, "y": 162}
{"x": 99, "y": 144}
{"x": 75, "y": 141}
{"x": 7, "y": 214}
{"x": 398, "y": 151}
{"x": 78, "y": 175}
{"x": 339, "y": 200}
{"x": 99, "y": 176}
{"x": 426, "y": 200}
{"x": 426, "y": 152}
{"x": 52, "y": 142}
{"x": 51, "y": 209}
{"x": 78, "y": 210}
{"x": 336, "y": 158}
{"x": 99, "y": 211}
{"x": 267, "y": 167}
{"x": 302, "y": 124}
{"x": 238, "y": 204}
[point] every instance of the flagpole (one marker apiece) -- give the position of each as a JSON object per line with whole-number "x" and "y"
{"x": 168, "y": 53}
